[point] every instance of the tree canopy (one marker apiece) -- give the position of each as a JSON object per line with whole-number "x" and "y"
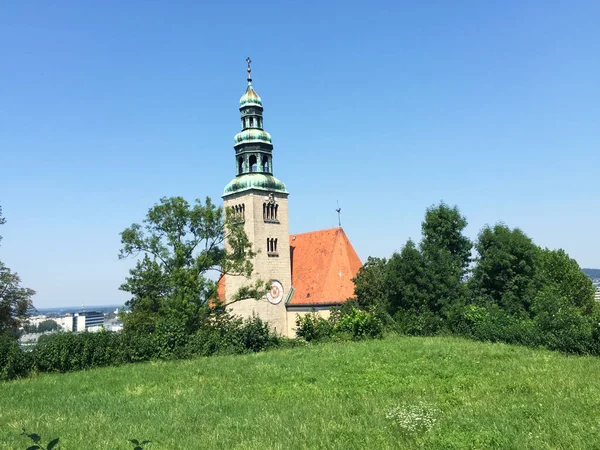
{"x": 179, "y": 244}
{"x": 15, "y": 300}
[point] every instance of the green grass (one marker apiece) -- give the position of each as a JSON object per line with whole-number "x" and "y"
{"x": 333, "y": 396}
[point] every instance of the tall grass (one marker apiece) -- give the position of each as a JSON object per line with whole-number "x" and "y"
{"x": 401, "y": 392}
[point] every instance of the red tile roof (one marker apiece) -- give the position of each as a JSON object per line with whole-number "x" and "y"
{"x": 323, "y": 265}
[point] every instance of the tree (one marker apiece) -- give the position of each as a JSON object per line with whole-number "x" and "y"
{"x": 370, "y": 286}
{"x": 408, "y": 281}
{"x": 180, "y": 244}
{"x": 447, "y": 254}
{"x": 43, "y": 327}
{"x": 506, "y": 270}
{"x": 564, "y": 274}
{"x": 15, "y": 300}
{"x": 442, "y": 232}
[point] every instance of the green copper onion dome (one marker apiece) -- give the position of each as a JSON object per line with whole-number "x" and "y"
{"x": 250, "y": 97}
{"x": 252, "y": 135}
{"x": 260, "y": 181}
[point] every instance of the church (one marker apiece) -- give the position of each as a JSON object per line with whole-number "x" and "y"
{"x": 308, "y": 271}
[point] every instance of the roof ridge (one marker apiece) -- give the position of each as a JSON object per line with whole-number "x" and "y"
{"x": 316, "y": 231}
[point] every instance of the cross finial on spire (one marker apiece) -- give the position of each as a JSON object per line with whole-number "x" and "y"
{"x": 249, "y": 61}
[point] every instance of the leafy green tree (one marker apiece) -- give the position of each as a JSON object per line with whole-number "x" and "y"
{"x": 424, "y": 280}
{"x": 370, "y": 285}
{"x": 15, "y": 300}
{"x": 506, "y": 270}
{"x": 408, "y": 281}
{"x": 179, "y": 244}
{"x": 564, "y": 274}
{"x": 447, "y": 254}
{"x": 42, "y": 327}
{"x": 442, "y": 232}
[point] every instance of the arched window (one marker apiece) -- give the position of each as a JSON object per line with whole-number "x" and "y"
{"x": 272, "y": 246}
{"x": 275, "y": 215}
{"x": 253, "y": 163}
{"x": 240, "y": 165}
{"x": 243, "y": 211}
{"x": 251, "y": 122}
{"x": 265, "y": 163}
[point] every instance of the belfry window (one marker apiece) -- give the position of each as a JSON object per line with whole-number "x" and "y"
{"x": 240, "y": 165}
{"x": 253, "y": 163}
{"x": 272, "y": 246}
{"x": 239, "y": 212}
{"x": 251, "y": 122}
{"x": 270, "y": 209}
{"x": 265, "y": 162}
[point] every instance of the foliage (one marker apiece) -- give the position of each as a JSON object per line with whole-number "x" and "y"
{"x": 67, "y": 352}
{"x": 370, "y": 285}
{"x": 179, "y": 243}
{"x": 345, "y": 322}
{"x": 408, "y": 281}
{"x": 221, "y": 333}
{"x": 447, "y": 253}
{"x": 43, "y": 327}
{"x": 563, "y": 325}
{"x": 506, "y": 270}
{"x": 15, "y": 300}
{"x": 422, "y": 281}
{"x": 358, "y": 324}
{"x": 14, "y": 362}
{"x": 312, "y": 327}
{"x": 37, "y": 440}
{"x": 138, "y": 445}
{"x": 564, "y": 274}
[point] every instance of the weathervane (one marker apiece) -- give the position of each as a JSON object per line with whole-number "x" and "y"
{"x": 339, "y": 213}
{"x": 249, "y": 61}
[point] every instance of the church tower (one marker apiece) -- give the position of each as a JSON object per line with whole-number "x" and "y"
{"x": 260, "y": 201}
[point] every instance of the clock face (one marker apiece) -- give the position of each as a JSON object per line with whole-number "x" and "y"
{"x": 275, "y": 294}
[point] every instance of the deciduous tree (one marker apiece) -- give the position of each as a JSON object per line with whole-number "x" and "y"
{"x": 15, "y": 300}
{"x": 179, "y": 243}
{"x": 506, "y": 270}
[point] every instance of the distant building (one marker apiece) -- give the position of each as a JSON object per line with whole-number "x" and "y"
{"x": 87, "y": 320}
{"x": 597, "y": 294}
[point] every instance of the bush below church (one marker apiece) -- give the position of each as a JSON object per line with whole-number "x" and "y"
{"x": 67, "y": 352}
{"x": 346, "y": 323}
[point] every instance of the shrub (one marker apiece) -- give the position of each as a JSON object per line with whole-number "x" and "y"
{"x": 562, "y": 326}
{"x": 423, "y": 323}
{"x": 255, "y": 335}
{"x": 313, "y": 327}
{"x": 358, "y": 324}
{"x": 66, "y": 352}
{"x": 14, "y": 362}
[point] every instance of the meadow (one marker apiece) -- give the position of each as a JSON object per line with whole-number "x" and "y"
{"x": 400, "y": 392}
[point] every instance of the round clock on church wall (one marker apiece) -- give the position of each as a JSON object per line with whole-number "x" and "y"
{"x": 275, "y": 294}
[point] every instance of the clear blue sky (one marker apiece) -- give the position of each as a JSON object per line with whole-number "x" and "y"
{"x": 387, "y": 107}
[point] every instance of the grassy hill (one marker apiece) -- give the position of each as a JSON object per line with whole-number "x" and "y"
{"x": 401, "y": 392}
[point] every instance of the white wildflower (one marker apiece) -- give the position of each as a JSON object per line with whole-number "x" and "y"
{"x": 411, "y": 418}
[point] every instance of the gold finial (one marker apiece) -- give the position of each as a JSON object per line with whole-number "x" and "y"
{"x": 249, "y": 61}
